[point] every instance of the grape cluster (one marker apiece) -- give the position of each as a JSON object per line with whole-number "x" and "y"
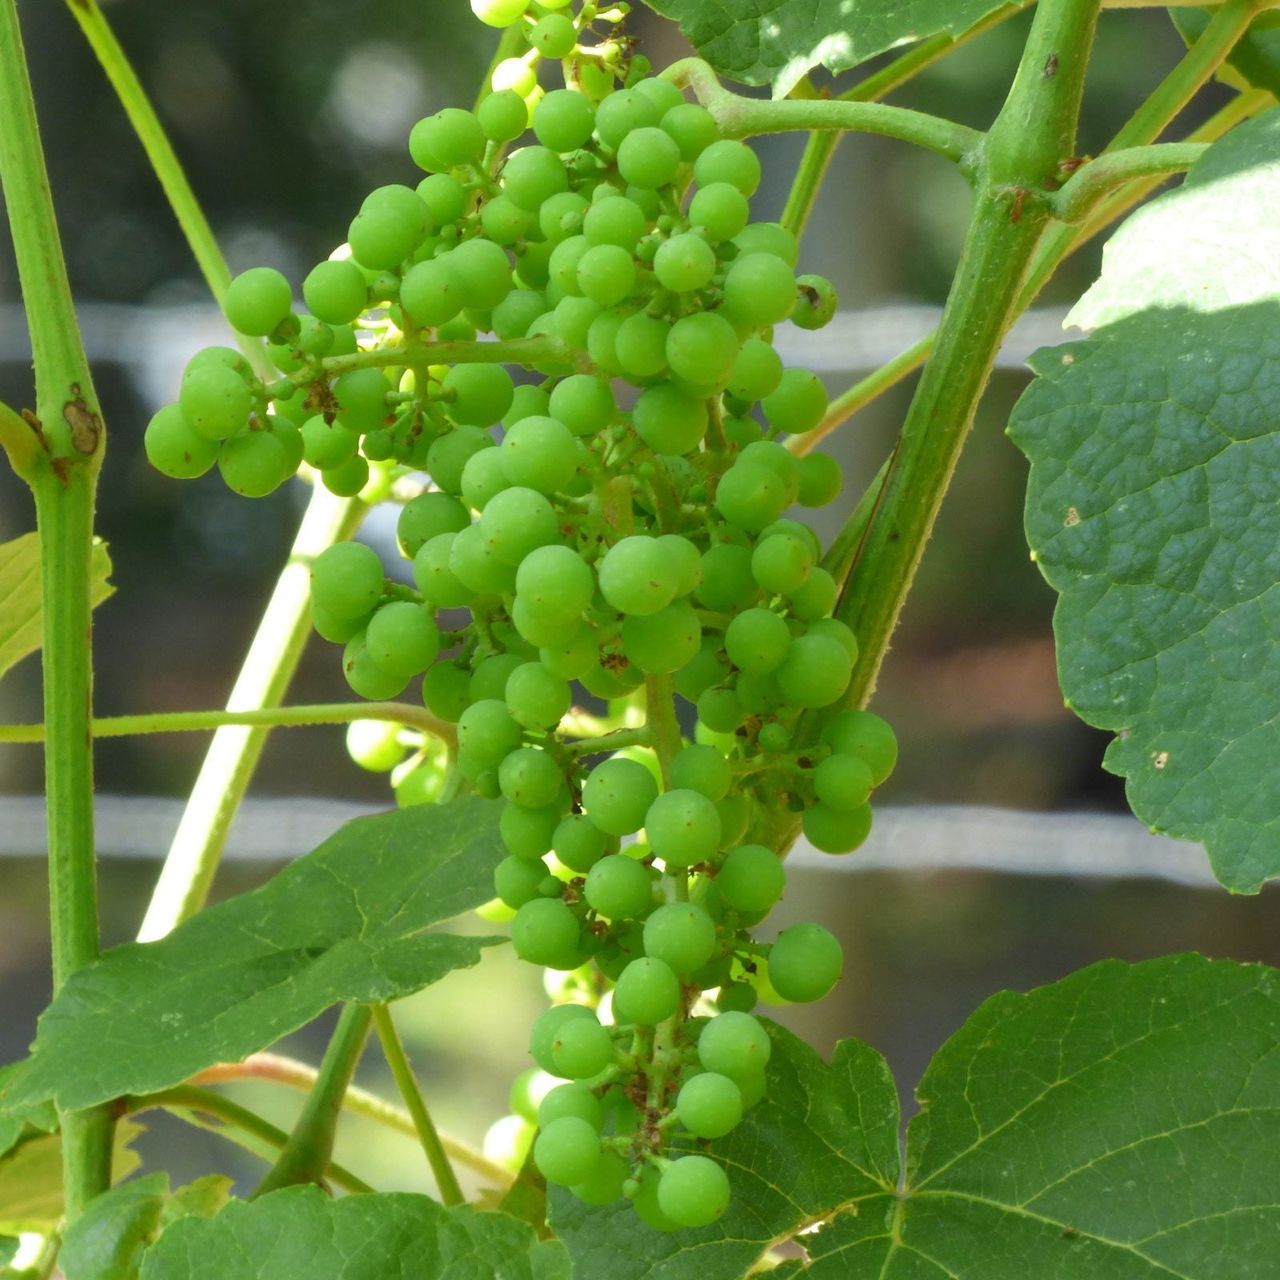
{"x": 614, "y": 522}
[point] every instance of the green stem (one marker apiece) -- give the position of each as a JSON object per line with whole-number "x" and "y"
{"x": 740, "y": 117}
{"x": 662, "y": 726}
{"x": 843, "y": 550}
{"x": 419, "y": 355}
{"x": 193, "y": 721}
{"x": 193, "y": 1104}
{"x": 63, "y": 478}
{"x": 1093, "y": 182}
{"x": 402, "y": 1073}
{"x": 821, "y": 146}
{"x": 189, "y": 868}
{"x": 612, "y": 741}
{"x": 309, "y": 1151}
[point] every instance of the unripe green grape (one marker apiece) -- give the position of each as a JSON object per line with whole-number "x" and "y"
{"x": 541, "y": 630}
{"x": 547, "y": 1026}
{"x": 433, "y": 577}
{"x": 579, "y": 843}
{"x": 843, "y": 782}
{"x": 498, "y": 13}
{"x": 477, "y": 394}
{"x": 483, "y": 478}
{"x": 581, "y": 1048}
{"x": 348, "y": 478}
{"x": 537, "y": 698}
{"x": 781, "y": 563}
{"x": 504, "y": 222}
{"x": 693, "y": 128}
{"x": 619, "y": 887}
{"x": 445, "y": 691}
{"x": 820, "y": 479}
{"x": 375, "y": 745}
{"x": 562, "y": 216}
{"x": 583, "y": 402}
{"x": 517, "y": 880}
{"x": 799, "y": 403}
{"x": 751, "y": 878}
{"x": 529, "y": 777}
{"x": 815, "y": 672}
{"x": 362, "y": 399}
{"x": 720, "y": 211}
{"x": 365, "y": 676}
{"x": 621, "y": 113}
{"x": 448, "y": 454}
{"x": 563, "y": 120}
{"x": 540, "y": 453}
{"x": 508, "y": 1141}
{"x": 641, "y": 346}
{"x": 556, "y": 580}
{"x": 759, "y": 289}
{"x": 335, "y": 291}
{"x": 257, "y": 301}
{"x": 502, "y": 116}
{"x": 750, "y": 496}
{"x": 570, "y": 1100}
{"x": 661, "y": 643}
{"x": 738, "y": 997}
{"x": 648, "y": 158}
{"x": 604, "y": 1184}
{"x": 616, "y": 221}
{"x": 816, "y": 302}
{"x": 734, "y": 1044}
{"x": 391, "y": 224}
{"x": 527, "y": 401}
{"x": 403, "y": 638}
{"x": 865, "y": 735}
{"x": 684, "y": 263}
{"x": 430, "y": 293}
{"x": 693, "y": 1191}
{"x": 769, "y": 237}
{"x": 757, "y": 371}
{"x": 527, "y": 833}
{"x": 223, "y": 357}
{"x": 489, "y": 679}
{"x": 562, "y": 266}
{"x": 633, "y": 576}
{"x": 702, "y": 348}
{"x": 567, "y": 1151}
{"x": 425, "y": 516}
{"x": 444, "y": 196}
{"x": 836, "y": 830}
{"x": 709, "y": 1105}
{"x": 481, "y": 271}
{"x": 838, "y": 631}
{"x": 450, "y": 137}
{"x": 606, "y": 274}
{"x": 545, "y": 931}
{"x": 472, "y": 561}
{"x": 215, "y": 400}
{"x": 805, "y": 962}
{"x": 815, "y": 598}
{"x": 554, "y": 36}
{"x": 681, "y": 935}
{"x": 174, "y": 448}
{"x": 572, "y": 658}
{"x": 601, "y": 340}
{"x": 533, "y": 175}
{"x": 683, "y": 827}
{"x": 644, "y": 1200}
{"x": 647, "y": 992}
{"x": 669, "y": 420}
{"x": 727, "y": 585}
{"x": 516, "y": 522}
{"x": 720, "y": 710}
{"x": 782, "y": 462}
{"x": 683, "y": 558}
{"x": 617, "y": 794}
{"x": 347, "y": 580}
{"x": 703, "y": 769}
{"x": 728, "y": 161}
{"x": 488, "y": 732}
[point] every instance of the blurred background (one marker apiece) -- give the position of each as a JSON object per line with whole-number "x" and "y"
{"x": 285, "y": 117}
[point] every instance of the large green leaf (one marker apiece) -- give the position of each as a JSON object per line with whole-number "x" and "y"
{"x": 1255, "y": 60}
{"x": 347, "y": 922}
{"x": 1154, "y": 504}
{"x": 1120, "y": 1124}
{"x": 20, "y": 615}
{"x": 778, "y": 42}
{"x": 299, "y": 1232}
{"x": 41, "y": 1117}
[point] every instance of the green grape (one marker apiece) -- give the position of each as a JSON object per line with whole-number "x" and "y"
{"x": 529, "y": 1089}
{"x": 805, "y": 962}
{"x": 720, "y": 710}
{"x": 348, "y": 478}
{"x": 571, "y": 1100}
{"x": 391, "y": 224}
{"x": 545, "y": 932}
{"x": 448, "y": 138}
{"x": 668, "y": 420}
{"x": 719, "y": 211}
{"x": 734, "y": 1044}
{"x": 693, "y": 1191}
{"x": 648, "y": 158}
{"x": 483, "y": 477}
{"x": 347, "y": 580}
{"x": 815, "y": 672}
{"x": 783, "y": 464}
{"x": 757, "y": 641}
{"x": 533, "y": 175}
{"x": 449, "y": 453}
{"x": 694, "y": 129}
{"x": 742, "y": 431}
{"x": 222, "y": 357}
{"x": 702, "y": 348}
{"x": 727, "y": 584}
{"x": 617, "y": 221}
{"x": 365, "y": 676}
{"x": 583, "y": 402}
{"x": 567, "y": 1150}
{"x": 288, "y": 437}
{"x": 433, "y": 577}
{"x": 512, "y": 318}
{"x": 375, "y": 745}
{"x": 602, "y": 338}
{"x": 502, "y": 116}
{"x": 174, "y": 448}
{"x": 728, "y": 161}
{"x": 622, "y": 113}
{"x": 820, "y": 479}
{"x": 815, "y": 598}
{"x": 799, "y": 403}
{"x": 540, "y": 630}
{"x": 472, "y": 561}
{"x": 563, "y": 264}
{"x": 445, "y": 691}
{"x": 757, "y": 370}
{"x": 481, "y": 271}
{"x": 477, "y": 394}
{"x": 498, "y": 13}
{"x": 684, "y": 263}
{"x": 663, "y": 642}
{"x": 579, "y": 843}
{"x": 540, "y": 453}
{"x": 641, "y": 347}
{"x": 515, "y": 74}
{"x": 362, "y": 399}
{"x": 527, "y": 833}
{"x": 760, "y": 695}
{"x": 759, "y": 289}
{"x": 781, "y": 563}
{"x": 503, "y": 220}
{"x": 604, "y": 1184}
{"x": 517, "y": 880}
{"x": 644, "y": 1200}
{"x": 444, "y": 196}
{"x": 619, "y": 887}
{"x": 633, "y": 577}
{"x": 737, "y": 996}
{"x": 403, "y": 637}
{"x": 425, "y": 516}
{"x": 526, "y": 401}
{"x": 750, "y": 496}
{"x": 562, "y": 216}
{"x": 537, "y": 698}
{"x": 816, "y": 302}
{"x": 680, "y": 934}
{"x": 606, "y": 274}
{"x": 751, "y": 878}
{"x": 335, "y": 291}
{"x": 530, "y": 777}
{"x": 709, "y": 1105}
{"x": 647, "y": 992}
{"x": 257, "y": 301}
{"x": 546, "y": 1027}
{"x": 315, "y": 338}
{"x": 617, "y": 794}
{"x": 683, "y": 828}
{"x": 683, "y": 559}
{"x": 836, "y": 830}
{"x": 554, "y": 36}
{"x": 430, "y": 293}
{"x": 865, "y": 735}
{"x": 573, "y": 658}
{"x": 768, "y": 237}
{"x": 838, "y": 631}
{"x": 563, "y": 120}
{"x": 215, "y": 400}
{"x": 703, "y": 769}
{"x": 488, "y": 732}
{"x": 581, "y": 1048}
{"x": 556, "y": 580}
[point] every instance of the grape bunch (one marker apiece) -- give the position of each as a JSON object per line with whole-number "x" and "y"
{"x": 611, "y": 521}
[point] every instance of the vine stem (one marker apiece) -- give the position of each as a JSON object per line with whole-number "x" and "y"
{"x": 190, "y": 1103}
{"x": 1088, "y": 186}
{"x": 268, "y": 717}
{"x": 63, "y": 477}
{"x": 401, "y": 1071}
{"x": 193, "y": 857}
{"x": 309, "y": 1151}
{"x": 300, "y": 1075}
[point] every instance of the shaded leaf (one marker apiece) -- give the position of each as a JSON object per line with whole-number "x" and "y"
{"x": 347, "y": 922}
{"x": 300, "y": 1232}
{"x": 41, "y": 1117}
{"x": 8, "y": 1249}
{"x": 20, "y": 615}
{"x": 1255, "y": 59}
{"x": 778, "y": 42}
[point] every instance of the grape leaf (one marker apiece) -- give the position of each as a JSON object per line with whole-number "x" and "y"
{"x": 8, "y": 1249}
{"x": 778, "y": 42}
{"x": 40, "y": 1118}
{"x": 300, "y": 1232}
{"x": 346, "y": 922}
{"x": 1256, "y": 57}
{"x": 20, "y": 614}
{"x": 1153, "y": 505}
{"x": 1120, "y": 1124}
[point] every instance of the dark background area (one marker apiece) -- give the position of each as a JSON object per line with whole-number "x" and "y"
{"x": 285, "y": 116}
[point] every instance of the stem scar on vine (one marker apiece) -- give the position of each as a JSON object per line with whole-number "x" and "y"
{"x": 86, "y": 426}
